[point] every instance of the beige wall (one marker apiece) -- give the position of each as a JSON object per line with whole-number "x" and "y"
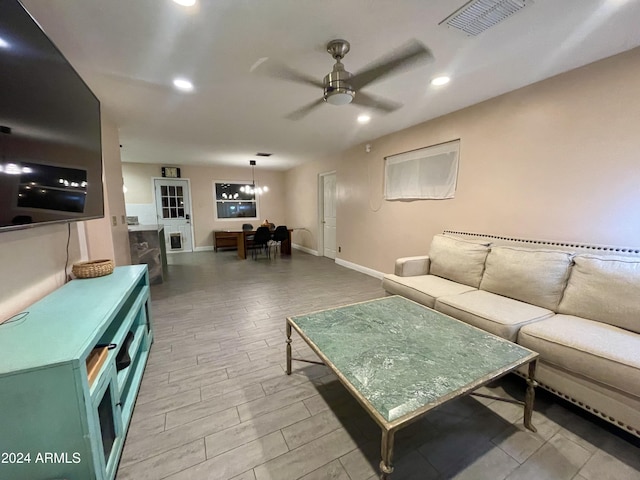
{"x": 556, "y": 160}
{"x": 33, "y": 260}
{"x": 104, "y": 239}
{"x": 138, "y": 179}
{"x": 302, "y": 200}
{"x": 33, "y": 263}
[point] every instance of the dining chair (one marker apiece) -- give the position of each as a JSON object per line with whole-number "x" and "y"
{"x": 261, "y": 240}
{"x": 280, "y": 235}
{"x": 247, "y": 227}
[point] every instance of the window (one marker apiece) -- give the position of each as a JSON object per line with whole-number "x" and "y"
{"x": 172, "y": 198}
{"x": 232, "y": 201}
{"x": 427, "y": 173}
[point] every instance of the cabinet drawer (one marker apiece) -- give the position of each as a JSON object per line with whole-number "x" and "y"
{"x": 225, "y": 240}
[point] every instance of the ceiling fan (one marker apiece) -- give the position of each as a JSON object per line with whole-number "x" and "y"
{"x": 341, "y": 87}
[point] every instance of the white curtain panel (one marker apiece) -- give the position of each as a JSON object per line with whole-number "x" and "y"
{"x": 427, "y": 173}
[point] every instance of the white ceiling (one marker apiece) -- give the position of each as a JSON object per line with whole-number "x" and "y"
{"x": 128, "y": 52}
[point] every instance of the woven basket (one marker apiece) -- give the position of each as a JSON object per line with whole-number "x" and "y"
{"x": 92, "y": 269}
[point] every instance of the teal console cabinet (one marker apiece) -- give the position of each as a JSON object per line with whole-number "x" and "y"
{"x": 55, "y": 421}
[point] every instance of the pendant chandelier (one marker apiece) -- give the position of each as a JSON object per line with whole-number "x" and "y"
{"x": 252, "y": 189}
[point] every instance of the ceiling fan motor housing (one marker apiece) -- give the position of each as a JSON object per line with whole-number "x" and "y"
{"x": 337, "y": 89}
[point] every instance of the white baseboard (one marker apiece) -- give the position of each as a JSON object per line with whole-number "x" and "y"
{"x": 305, "y": 249}
{"x": 197, "y": 249}
{"x": 354, "y": 266}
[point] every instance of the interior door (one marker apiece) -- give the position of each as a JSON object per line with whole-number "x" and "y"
{"x": 173, "y": 211}
{"x": 329, "y": 214}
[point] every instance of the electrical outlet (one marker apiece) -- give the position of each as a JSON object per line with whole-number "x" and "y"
{"x": 123, "y": 219}
{"x": 114, "y": 221}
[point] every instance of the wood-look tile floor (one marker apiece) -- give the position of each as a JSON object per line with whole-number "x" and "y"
{"x": 215, "y": 402}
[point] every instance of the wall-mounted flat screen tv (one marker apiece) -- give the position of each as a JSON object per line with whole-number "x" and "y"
{"x": 50, "y": 141}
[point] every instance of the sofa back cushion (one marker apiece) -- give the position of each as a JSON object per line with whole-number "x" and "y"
{"x": 604, "y": 289}
{"x": 529, "y": 275}
{"x": 458, "y": 260}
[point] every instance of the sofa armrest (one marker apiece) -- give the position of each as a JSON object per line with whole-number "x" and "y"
{"x": 412, "y": 266}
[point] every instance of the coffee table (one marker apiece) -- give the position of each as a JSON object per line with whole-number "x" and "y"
{"x": 400, "y": 360}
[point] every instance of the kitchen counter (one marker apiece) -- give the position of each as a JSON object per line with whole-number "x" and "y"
{"x": 147, "y": 244}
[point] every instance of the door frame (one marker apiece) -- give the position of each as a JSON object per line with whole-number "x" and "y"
{"x": 190, "y": 202}
{"x": 321, "y": 211}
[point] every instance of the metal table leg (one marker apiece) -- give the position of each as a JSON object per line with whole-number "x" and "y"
{"x": 386, "y": 450}
{"x": 288, "y": 329}
{"x": 530, "y": 396}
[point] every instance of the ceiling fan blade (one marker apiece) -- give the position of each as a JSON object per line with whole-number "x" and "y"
{"x": 411, "y": 53}
{"x": 278, "y": 70}
{"x": 301, "y": 112}
{"x": 367, "y": 100}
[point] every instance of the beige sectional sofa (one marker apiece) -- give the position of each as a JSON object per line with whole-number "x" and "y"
{"x": 577, "y": 306}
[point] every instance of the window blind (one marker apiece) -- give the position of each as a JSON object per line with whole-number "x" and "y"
{"x": 426, "y": 173}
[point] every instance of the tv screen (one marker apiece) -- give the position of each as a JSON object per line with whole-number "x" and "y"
{"x": 50, "y": 141}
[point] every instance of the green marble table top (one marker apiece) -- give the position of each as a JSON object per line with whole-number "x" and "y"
{"x": 401, "y": 356}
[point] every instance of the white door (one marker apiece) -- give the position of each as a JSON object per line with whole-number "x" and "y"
{"x": 173, "y": 209}
{"x": 329, "y": 214}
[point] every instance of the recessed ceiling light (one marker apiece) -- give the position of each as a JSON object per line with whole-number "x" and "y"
{"x": 3, "y": 43}
{"x": 364, "y": 118}
{"x": 186, "y": 3}
{"x": 440, "y": 81}
{"x": 183, "y": 84}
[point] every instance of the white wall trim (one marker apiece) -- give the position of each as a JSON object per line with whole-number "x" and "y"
{"x": 305, "y": 249}
{"x": 354, "y": 266}
{"x": 203, "y": 249}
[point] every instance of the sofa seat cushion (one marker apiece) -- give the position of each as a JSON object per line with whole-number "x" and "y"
{"x": 530, "y": 275}
{"x": 595, "y": 350}
{"x": 458, "y": 260}
{"x": 604, "y": 289}
{"x": 423, "y": 289}
{"x": 493, "y": 313}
